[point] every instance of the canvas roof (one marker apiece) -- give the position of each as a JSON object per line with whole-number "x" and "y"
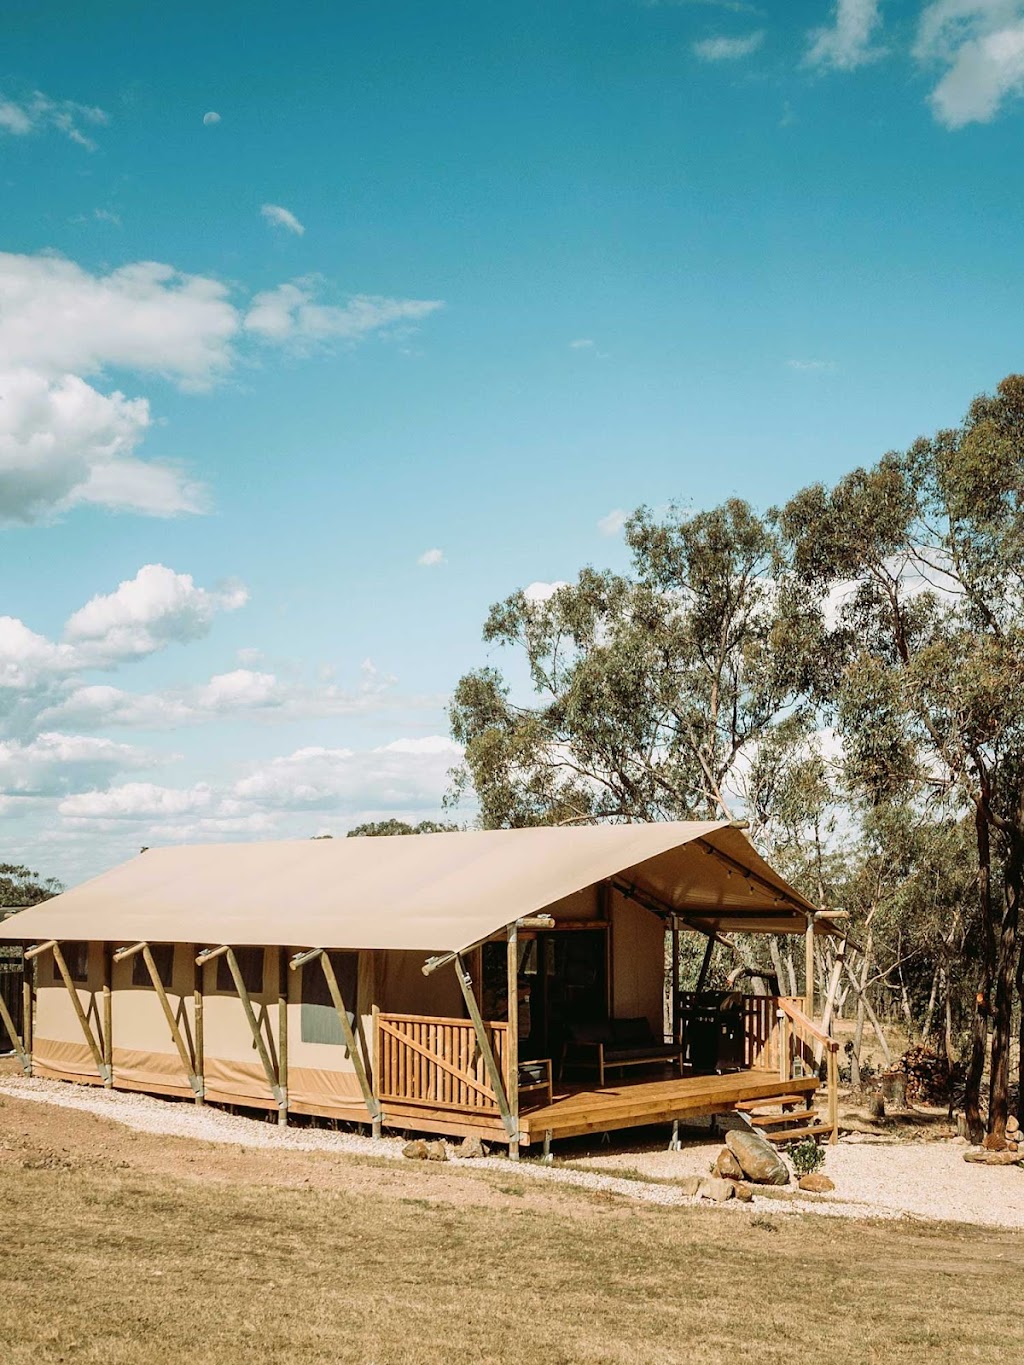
{"x": 435, "y": 892}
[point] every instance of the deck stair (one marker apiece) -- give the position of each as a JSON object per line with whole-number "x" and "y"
{"x": 784, "y": 1118}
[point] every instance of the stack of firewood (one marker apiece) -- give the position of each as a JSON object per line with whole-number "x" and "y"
{"x": 927, "y": 1075}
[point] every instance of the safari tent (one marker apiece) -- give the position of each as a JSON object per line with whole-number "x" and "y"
{"x": 516, "y": 985}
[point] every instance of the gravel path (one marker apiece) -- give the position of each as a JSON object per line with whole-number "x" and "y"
{"x": 927, "y": 1180}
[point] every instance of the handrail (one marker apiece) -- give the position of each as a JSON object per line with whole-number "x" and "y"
{"x": 807, "y": 1025}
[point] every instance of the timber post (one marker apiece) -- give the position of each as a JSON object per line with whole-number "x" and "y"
{"x": 195, "y": 1085}
{"x": 347, "y": 1033}
{"x": 512, "y": 1037}
{"x": 228, "y": 953}
{"x": 86, "y": 1027}
{"x": 108, "y": 1017}
{"x": 486, "y": 1051}
{"x": 28, "y": 1000}
{"x": 674, "y": 1009}
{"x": 809, "y": 967}
{"x": 282, "y": 1034}
{"x": 375, "y": 1069}
{"x": 16, "y": 1042}
{"x": 200, "y": 1043}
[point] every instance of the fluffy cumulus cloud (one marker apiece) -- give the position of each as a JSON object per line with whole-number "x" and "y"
{"x": 980, "y": 43}
{"x": 39, "y": 113}
{"x": 63, "y": 441}
{"x": 429, "y": 559}
{"x": 725, "y": 49}
{"x": 280, "y": 217}
{"x": 145, "y": 614}
{"x": 848, "y": 41}
{"x": 613, "y": 523}
{"x": 291, "y": 314}
{"x": 54, "y": 762}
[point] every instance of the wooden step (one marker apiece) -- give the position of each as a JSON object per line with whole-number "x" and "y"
{"x": 773, "y": 1099}
{"x": 789, "y": 1134}
{"x": 773, "y": 1120}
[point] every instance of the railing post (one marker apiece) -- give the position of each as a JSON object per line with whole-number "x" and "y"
{"x": 833, "y": 1093}
{"x": 783, "y": 1019}
{"x": 512, "y": 1038}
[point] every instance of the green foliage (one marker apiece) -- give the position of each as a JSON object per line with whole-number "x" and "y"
{"x": 374, "y": 828}
{"x": 20, "y": 886}
{"x": 806, "y": 1156}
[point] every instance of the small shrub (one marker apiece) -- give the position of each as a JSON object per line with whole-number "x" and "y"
{"x": 806, "y": 1156}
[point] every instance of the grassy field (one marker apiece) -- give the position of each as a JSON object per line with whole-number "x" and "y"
{"x": 121, "y": 1247}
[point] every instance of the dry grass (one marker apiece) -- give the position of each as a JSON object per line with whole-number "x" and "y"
{"x": 108, "y": 1255}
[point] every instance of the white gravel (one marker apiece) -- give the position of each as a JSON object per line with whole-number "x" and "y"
{"x": 925, "y": 1180}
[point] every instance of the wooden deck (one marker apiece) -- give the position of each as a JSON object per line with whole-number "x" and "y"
{"x": 579, "y": 1110}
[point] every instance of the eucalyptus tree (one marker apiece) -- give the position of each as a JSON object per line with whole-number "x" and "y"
{"x": 649, "y": 694}
{"x": 920, "y": 560}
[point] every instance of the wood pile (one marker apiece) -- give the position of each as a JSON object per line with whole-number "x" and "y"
{"x": 927, "y": 1075}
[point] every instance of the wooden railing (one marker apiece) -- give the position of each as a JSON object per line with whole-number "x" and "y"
{"x": 801, "y": 1037}
{"x": 437, "y": 1062}
{"x": 760, "y": 1018}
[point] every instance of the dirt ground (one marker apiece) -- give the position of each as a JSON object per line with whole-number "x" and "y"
{"x": 121, "y": 1246}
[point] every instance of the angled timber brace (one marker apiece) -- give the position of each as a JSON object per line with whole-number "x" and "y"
{"x": 487, "y": 1052}
{"x": 279, "y": 1091}
{"x": 103, "y": 1068}
{"x": 369, "y": 1098}
{"x": 195, "y": 1081}
{"x": 16, "y": 1043}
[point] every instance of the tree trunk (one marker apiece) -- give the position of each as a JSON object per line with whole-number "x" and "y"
{"x": 1020, "y": 1037}
{"x": 929, "y": 1014}
{"x": 999, "y": 1102}
{"x": 979, "y": 1039}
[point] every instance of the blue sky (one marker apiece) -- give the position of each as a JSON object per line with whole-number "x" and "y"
{"x": 292, "y": 297}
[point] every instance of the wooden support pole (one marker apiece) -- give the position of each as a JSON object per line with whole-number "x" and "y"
{"x": 28, "y": 1000}
{"x": 200, "y": 1043}
{"x": 705, "y": 965}
{"x": 375, "y": 1069}
{"x": 809, "y": 968}
{"x": 16, "y": 1043}
{"x": 195, "y": 1085}
{"x": 512, "y": 1042}
{"x": 486, "y": 1051}
{"x": 833, "y": 1094}
{"x": 108, "y": 1017}
{"x": 282, "y": 1033}
{"x": 783, "y": 1019}
{"x": 38, "y": 949}
{"x": 254, "y": 1028}
{"x": 674, "y": 982}
{"x": 90, "y": 1038}
{"x": 347, "y": 1033}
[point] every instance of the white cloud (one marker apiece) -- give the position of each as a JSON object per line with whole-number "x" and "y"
{"x": 135, "y": 801}
{"x": 981, "y": 43}
{"x": 54, "y": 762}
{"x": 39, "y": 112}
{"x": 278, "y": 216}
{"x": 146, "y": 613}
{"x": 291, "y": 314}
{"x": 846, "y": 43}
{"x": 429, "y": 558}
{"x": 211, "y": 118}
{"x": 63, "y": 443}
{"x": 811, "y": 365}
{"x": 582, "y": 344}
{"x": 538, "y": 592}
{"x": 56, "y": 318}
{"x": 722, "y": 49}
{"x": 613, "y": 523}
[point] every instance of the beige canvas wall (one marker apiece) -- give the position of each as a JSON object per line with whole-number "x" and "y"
{"x": 637, "y": 963}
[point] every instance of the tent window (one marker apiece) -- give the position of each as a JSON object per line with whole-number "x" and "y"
{"x": 163, "y": 956}
{"x": 250, "y": 964}
{"x": 76, "y": 955}
{"x": 320, "y": 1022}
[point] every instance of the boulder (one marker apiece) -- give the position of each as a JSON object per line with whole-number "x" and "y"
{"x": 759, "y": 1161}
{"x": 470, "y": 1148}
{"x": 992, "y": 1142}
{"x": 743, "y": 1192}
{"x": 719, "y": 1190}
{"x": 816, "y": 1183}
{"x": 416, "y": 1150}
{"x": 1012, "y": 1126}
{"x": 436, "y": 1151}
{"x": 984, "y": 1158}
{"x": 690, "y": 1185}
{"x": 727, "y": 1166}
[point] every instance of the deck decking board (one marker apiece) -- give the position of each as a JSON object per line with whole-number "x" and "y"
{"x": 592, "y": 1110}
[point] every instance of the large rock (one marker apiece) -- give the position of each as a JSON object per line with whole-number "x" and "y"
{"x": 759, "y": 1161}
{"x": 743, "y": 1192}
{"x": 727, "y": 1166}
{"x": 415, "y": 1150}
{"x": 719, "y": 1190}
{"x": 470, "y": 1148}
{"x": 816, "y": 1183}
{"x": 690, "y": 1185}
{"x": 984, "y": 1158}
{"x": 436, "y": 1151}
